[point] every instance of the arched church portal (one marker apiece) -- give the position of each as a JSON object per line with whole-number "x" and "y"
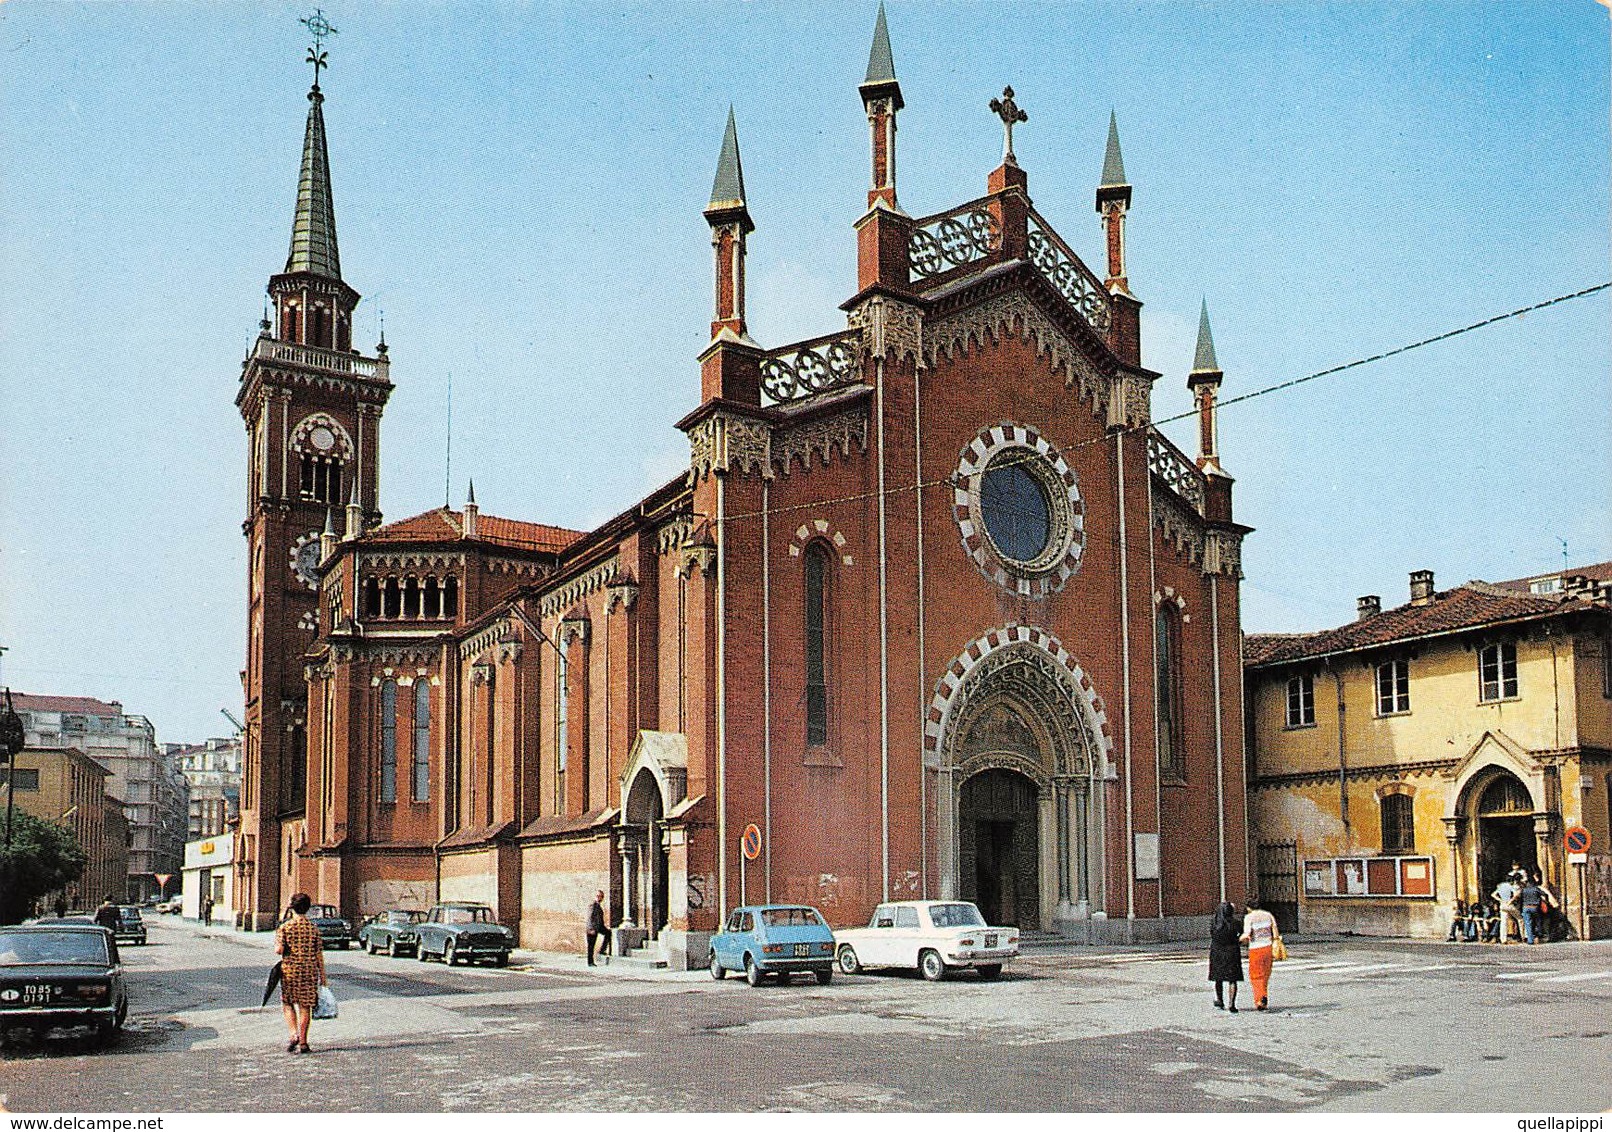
{"x": 644, "y": 874}
{"x": 1021, "y": 815}
{"x": 1502, "y": 825}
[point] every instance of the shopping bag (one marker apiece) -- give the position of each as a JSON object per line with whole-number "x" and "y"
{"x": 326, "y": 1006}
{"x": 1278, "y": 952}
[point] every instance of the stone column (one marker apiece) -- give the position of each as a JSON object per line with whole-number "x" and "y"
{"x": 627, "y": 920}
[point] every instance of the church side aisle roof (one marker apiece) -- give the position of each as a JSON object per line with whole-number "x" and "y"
{"x": 443, "y": 525}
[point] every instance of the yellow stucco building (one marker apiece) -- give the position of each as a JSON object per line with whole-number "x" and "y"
{"x": 1407, "y": 760}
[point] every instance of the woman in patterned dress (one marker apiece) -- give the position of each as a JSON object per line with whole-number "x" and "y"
{"x": 302, "y": 970}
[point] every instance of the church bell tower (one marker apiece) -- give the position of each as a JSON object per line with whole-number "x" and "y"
{"x": 312, "y": 407}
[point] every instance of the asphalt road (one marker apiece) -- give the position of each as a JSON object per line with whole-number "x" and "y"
{"x": 1354, "y": 1025}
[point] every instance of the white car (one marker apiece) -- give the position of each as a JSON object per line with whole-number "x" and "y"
{"x": 934, "y": 936}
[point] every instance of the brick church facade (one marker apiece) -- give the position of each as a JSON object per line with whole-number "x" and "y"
{"x": 934, "y": 607}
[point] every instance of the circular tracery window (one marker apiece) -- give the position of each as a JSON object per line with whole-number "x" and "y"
{"x": 1018, "y": 510}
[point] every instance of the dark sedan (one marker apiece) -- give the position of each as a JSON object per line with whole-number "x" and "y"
{"x": 334, "y": 931}
{"x": 393, "y": 931}
{"x": 61, "y": 975}
{"x": 131, "y": 927}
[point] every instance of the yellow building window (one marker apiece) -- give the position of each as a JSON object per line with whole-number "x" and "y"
{"x": 1393, "y": 687}
{"x": 1497, "y": 672}
{"x": 1301, "y": 701}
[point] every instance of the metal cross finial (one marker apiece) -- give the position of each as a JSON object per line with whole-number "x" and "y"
{"x": 317, "y": 55}
{"x": 1008, "y": 110}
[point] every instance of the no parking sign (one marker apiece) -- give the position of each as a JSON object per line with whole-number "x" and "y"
{"x": 1577, "y": 843}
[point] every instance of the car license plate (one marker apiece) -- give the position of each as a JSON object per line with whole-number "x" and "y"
{"x": 35, "y": 993}
{"x": 802, "y": 950}
{"x": 990, "y": 940}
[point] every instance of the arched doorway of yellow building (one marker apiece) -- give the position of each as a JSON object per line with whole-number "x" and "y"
{"x": 1501, "y": 819}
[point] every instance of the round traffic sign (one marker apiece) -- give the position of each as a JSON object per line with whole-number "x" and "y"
{"x": 1577, "y": 840}
{"x": 750, "y": 842}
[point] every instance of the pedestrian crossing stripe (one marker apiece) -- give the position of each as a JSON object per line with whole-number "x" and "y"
{"x": 1578, "y": 978}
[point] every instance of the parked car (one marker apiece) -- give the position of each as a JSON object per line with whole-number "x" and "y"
{"x": 333, "y": 930}
{"x": 61, "y": 975}
{"x": 393, "y": 931}
{"x": 774, "y": 939}
{"x": 934, "y": 936}
{"x": 452, "y": 932}
{"x": 131, "y": 928}
{"x": 170, "y": 907}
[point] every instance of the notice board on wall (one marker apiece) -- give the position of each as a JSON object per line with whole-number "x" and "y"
{"x": 1365, "y": 877}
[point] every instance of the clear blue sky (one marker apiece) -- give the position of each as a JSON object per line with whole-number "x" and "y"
{"x": 519, "y": 188}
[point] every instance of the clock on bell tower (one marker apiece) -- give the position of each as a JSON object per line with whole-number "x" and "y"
{"x": 312, "y": 407}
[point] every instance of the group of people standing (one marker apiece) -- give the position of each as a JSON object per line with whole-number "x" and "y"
{"x": 1226, "y": 935}
{"x": 1520, "y": 909}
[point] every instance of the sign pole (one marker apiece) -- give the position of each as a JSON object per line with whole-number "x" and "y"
{"x": 742, "y": 900}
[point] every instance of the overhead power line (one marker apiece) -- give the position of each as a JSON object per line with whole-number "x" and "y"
{"x": 949, "y": 479}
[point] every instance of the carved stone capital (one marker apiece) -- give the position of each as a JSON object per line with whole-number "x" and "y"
{"x": 573, "y": 628}
{"x": 623, "y": 594}
{"x": 889, "y": 327}
{"x": 727, "y": 442}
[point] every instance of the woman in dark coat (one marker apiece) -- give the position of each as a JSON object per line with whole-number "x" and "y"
{"x": 1225, "y": 954}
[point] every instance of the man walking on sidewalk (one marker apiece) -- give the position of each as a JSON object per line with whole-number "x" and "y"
{"x": 597, "y": 928}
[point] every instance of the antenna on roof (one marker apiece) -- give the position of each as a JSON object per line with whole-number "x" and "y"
{"x": 1564, "y": 553}
{"x": 447, "y": 475}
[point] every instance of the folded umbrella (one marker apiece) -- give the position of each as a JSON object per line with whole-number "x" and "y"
{"x": 275, "y": 974}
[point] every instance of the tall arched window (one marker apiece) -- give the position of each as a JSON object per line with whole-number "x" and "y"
{"x": 450, "y": 597}
{"x": 372, "y": 598}
{"x": 422, "y": 740}
{"x": 1167, "y": 689}
{"x": 817, "y": 565}
{"x": 389, "y": 741}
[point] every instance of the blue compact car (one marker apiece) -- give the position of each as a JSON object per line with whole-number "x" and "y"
{"x": 774, "y": 939}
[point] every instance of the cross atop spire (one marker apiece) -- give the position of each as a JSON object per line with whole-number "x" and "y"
{"x": 1203, "y": 359}
{"x": 319, "y": 27}
{"x": 1113, "y": 163}
{"x": 881, "y": 66}
{"x": 727, "y": 190}
{"x": 1008, "y": 110}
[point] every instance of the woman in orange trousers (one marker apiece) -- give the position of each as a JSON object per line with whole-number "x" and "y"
{"x": 1260, "y": 934}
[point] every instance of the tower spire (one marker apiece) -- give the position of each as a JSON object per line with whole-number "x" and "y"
{"x": 1113, "y": 163}
{"x": 730, "y": 223}
{"x": 313, "y": 232}
{"x": 881, "y": 98}
{"x": 1204, "y": 381}
{"x": 1203, "y": 358}
{"x": 727, "y": 189}
{"x": 314, "y": 306}
{"x": 1113, "y": 202}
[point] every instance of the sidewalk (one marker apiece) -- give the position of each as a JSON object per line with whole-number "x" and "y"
{"x": 520, "y": 959}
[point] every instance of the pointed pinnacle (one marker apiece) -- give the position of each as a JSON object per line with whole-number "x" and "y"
{"x": 1113, "y": 164}
{"x": 330, "y": 521}
{"x": 352, "y": 497}
{"x": 313, "y": 232}
{"x": 728, "y": 188}
{"x": 471, "y": 498}
{"x": 881, "y": 66}
{"x": 1203, "y": 361}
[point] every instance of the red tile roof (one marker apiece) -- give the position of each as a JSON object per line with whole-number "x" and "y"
{"x": 1596, "y": 572}
{"x": 1469, "y": 606}
{"x": 73, "y": 705}
{"x": 443, "y": 525}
